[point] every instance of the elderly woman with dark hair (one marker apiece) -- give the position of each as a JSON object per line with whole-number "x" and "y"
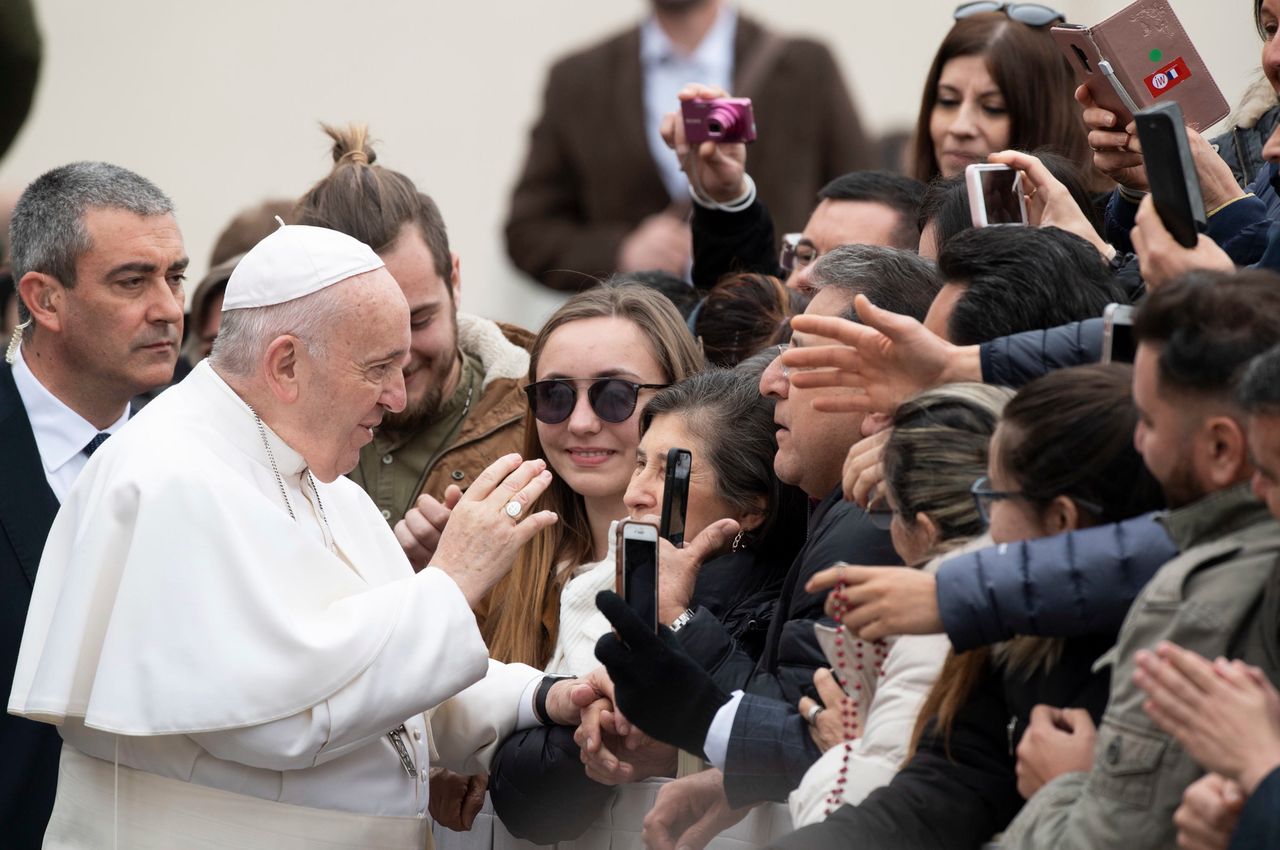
{"x": 732, "y": 569}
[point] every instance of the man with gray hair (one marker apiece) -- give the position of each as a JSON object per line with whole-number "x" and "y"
{"x": 98, "y": 261}
{"x": 235, "y": 647}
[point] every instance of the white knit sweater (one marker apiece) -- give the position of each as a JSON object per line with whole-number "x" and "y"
{"x": 581, "y": 623}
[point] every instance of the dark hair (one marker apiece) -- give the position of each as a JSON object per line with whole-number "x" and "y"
{"x": 514, "y": 629}
{"x": 1209, "y": 326}
{"x": 893, "y": 279}
{"x": 896, "y": 191}
{"x": 1033, "y": 77}
{"x": 945, "y": 205}
{"x": 1070, "y": 433}
{"x": 725, "y": 407}
{"x": 946, "y": 201}
{"x": 1019, "y": 279}
{"x": 248, "y": 228}
{"x": 678, "y": 290}
{"x": 1260, "y": 387}
{"x": 742, "y": 314}
{"x": 372, "y": 203}
{"x": 937, "y": 449}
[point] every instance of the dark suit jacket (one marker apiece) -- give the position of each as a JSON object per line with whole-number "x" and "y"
{"x": 28, "y": 750}
{"x": 590, "y": 177}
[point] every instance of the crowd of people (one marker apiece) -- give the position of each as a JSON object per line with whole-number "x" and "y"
{"x": 313, "y": 557}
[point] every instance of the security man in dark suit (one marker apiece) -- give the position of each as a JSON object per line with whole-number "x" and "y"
{"x": 100, "y": 325}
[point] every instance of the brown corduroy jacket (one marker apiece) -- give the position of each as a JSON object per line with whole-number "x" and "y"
{"x": 590, "y": 177}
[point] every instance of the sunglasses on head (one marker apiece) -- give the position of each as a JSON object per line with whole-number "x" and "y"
{"x": 1031, "y": 14}
{"x": 612, "y": 399}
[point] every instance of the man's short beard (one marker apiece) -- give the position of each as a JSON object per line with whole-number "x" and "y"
{"x": 1181, "y": 488}
{"x": 413, "y": 419}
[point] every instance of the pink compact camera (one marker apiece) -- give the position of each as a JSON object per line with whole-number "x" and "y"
{"x": 725, "y": 119}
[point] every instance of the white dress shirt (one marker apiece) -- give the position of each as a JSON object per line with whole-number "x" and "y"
{"x": 667, "y": 70}
{"x": 61, "y": 433}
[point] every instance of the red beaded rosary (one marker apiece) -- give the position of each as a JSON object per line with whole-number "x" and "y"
{"x": 864, "y": 654}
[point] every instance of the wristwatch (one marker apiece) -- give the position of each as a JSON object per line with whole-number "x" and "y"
{"x": 540, "y": 699}
{"x": 680, "y": 622}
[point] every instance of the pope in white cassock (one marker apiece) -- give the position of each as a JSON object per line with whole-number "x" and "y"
{"x": 234, "y": 646}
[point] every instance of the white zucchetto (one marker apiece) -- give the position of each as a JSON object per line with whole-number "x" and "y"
{"x": 294, "y": 261}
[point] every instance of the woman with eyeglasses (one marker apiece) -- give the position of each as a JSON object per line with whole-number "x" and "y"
{"x": 592, "y": 367}
{"x": 937, "y": 446}
{"x": 997, "y": 83}
{"x": 1062, "y": 458}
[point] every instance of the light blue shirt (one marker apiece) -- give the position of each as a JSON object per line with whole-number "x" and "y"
{"x": 666, "y": 70}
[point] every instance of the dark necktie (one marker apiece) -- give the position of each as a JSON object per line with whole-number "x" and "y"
{"x": 98, "y": 440}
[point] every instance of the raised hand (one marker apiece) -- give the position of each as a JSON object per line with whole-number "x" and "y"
{"x": 480, "y": 543}
{"x": 1161, "y": 257}
{"x": 717, "y": 171}
{"x": 880, "y": 602}
{"x": 1225, "y": 714}
{"x": 1116, "y": 150}
{"x": 889, "y": 357}
{"x": 419, "y": 532}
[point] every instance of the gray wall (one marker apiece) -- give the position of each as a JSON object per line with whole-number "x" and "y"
{"x": 218, "y": 102}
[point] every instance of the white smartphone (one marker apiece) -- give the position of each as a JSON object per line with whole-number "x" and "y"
{"x": 1118, "y": 345}
{"x": 995, "y": 195}
{"x": 637, "y": 569}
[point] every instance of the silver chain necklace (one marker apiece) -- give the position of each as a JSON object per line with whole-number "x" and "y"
{"x": 288, "y": 506}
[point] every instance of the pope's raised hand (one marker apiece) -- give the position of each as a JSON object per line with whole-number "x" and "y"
{"x": 491, "y": 522}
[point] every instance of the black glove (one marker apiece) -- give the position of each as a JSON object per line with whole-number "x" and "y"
{"x": 658, "y": 687}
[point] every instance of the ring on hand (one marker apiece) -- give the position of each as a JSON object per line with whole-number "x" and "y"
{"x": 811, "y": 716}
{"x": 513, "y": 509}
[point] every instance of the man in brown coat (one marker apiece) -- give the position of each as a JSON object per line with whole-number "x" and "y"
{"x": 464, "y": 375}
{"x": 601, "y": 193}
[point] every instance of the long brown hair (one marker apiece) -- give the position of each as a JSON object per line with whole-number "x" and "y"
{"x": 1035, "y": 80}
{"x": 1069, "y": 433}
{"x": 514, "y": 627}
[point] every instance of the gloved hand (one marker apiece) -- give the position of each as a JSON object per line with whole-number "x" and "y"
{"x": 656, "y": 685}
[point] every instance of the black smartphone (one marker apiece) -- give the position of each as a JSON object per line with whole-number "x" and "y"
{"x": 675, "y": 495}
{"x": 637, "y": 569}
{"x": 1117, "y": 334}
{"x": 1171, "y": 172}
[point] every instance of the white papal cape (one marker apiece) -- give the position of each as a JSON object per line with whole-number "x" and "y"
{"x": 221, "y": 676}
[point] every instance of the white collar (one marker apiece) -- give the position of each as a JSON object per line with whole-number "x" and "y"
{"x": 245, "y": 429}
{"x": 715, "y": 48}
{"x": 60, "y": 432}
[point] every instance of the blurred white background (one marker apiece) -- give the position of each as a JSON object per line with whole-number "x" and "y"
{"x": 219, "y": 102}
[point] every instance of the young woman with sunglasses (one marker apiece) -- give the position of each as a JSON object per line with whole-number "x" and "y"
{"x": 997, "y": 83}
{"x": 538, "y": 786}
{"x": 592, "y": 367}
{"x": 1062, "y": 458}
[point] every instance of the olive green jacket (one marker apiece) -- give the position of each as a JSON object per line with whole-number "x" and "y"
{"x": 1219, "y": 597}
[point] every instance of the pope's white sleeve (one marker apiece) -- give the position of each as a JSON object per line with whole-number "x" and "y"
{"x": 433, "y": 651}
{"x": 467, "y": 730}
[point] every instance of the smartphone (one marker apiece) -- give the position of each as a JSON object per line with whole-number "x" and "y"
{"x": 675, "y": 495}
{"x": 637, "y": 569}
{"x": 1077, "y": 44}
{"x": 1118, "y": 345}
{"x": 1141, "y": 56}
{"x": 995, "y": 195}
{"x": 1171, "y": 172}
